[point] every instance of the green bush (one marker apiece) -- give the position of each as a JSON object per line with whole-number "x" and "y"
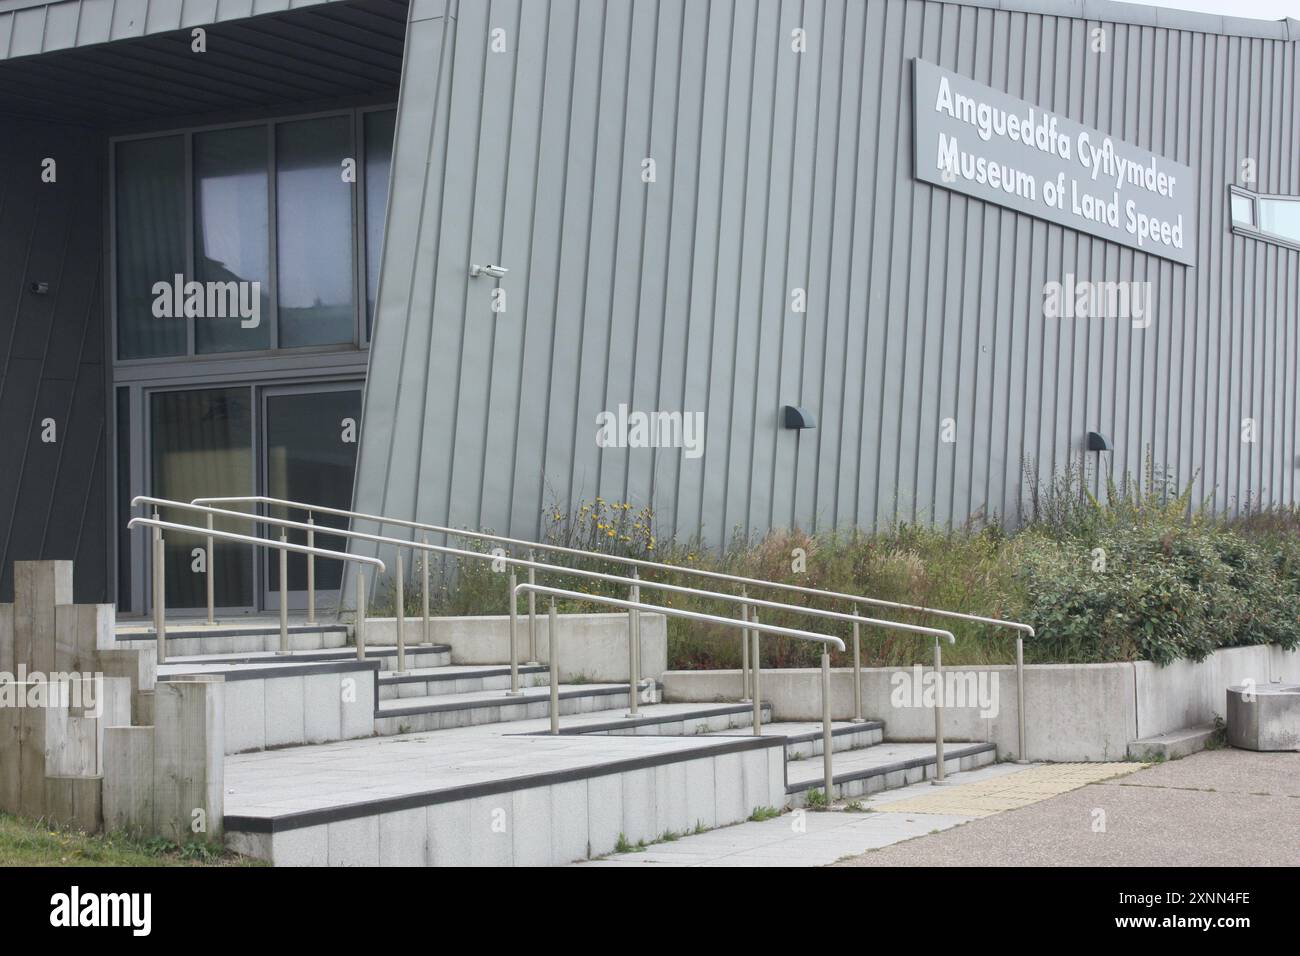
{"x": 1136, "y": 571}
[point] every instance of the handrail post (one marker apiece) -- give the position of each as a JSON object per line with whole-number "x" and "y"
{"x": 532, "y": 609}
{"x": 400, "y": 617}
{"x": 938, "y": 712}
{"x": 857, "y": 669}
{"x": 311, "y": 570}
{"x": 745, "y": 680}
{"x": 360, "y": 629}
{"x": 553, "y": 653}
{"x": 514, "y": 632}
{"x": 1020, "y": 696}
{"x": 827, "y": 745}
{"x": 284, "y": 594}
{"x": 212, "y": 590}
{"x": 159, "y": 594}
{"x": 424, "y": 570}
{"x": 633, "y": 646}
{"x": 755, "y": 686}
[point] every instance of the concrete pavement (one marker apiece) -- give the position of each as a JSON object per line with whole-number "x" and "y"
{"x": 1221, "y": 807}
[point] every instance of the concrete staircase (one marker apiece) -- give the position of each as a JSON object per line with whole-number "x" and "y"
{"x": 472, "y": 740}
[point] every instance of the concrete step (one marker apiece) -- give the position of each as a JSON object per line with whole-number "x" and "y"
{"x": 419, "y": 714}
{"x": 803, "y": 739}
{"x": 668, "y": 720}
{"x": 858, "y": 773}
{"x": 457, "y": 679}
{"x": 421, "y": 656}
{"x": 191, "y": 639}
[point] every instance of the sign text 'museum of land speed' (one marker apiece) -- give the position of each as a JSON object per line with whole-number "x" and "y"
{"x": 984, "y": 143}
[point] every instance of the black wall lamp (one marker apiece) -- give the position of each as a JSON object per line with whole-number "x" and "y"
{"x": 795, "y": 417}
{"x": 1097, "y": 442}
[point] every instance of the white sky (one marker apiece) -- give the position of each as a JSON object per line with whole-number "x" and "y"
{"x": 1259, "y": 9}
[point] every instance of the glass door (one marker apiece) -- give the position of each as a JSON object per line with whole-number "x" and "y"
{"x": 201, "y": 444}
{"x": 309, "y": 446}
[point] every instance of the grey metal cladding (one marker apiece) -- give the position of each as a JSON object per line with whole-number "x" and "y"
{"x": 53, "y": 494}
{"x": 779, "y": 171}
{"x": 28, "y": 28}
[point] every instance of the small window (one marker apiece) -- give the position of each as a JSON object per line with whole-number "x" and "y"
{"x": 1280, "y": 217}
{"x": 1243, "y": 210}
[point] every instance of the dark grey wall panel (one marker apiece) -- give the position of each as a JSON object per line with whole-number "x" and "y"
{"x": 53, "y": 496}
{"x": 779, "y": 171}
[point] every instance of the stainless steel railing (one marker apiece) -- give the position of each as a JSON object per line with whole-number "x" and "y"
{"x": 283, "y": 546}
{"x": 750, "y": 624}
{"x": 749, "y": 671}
{"x": 826, "y": 640}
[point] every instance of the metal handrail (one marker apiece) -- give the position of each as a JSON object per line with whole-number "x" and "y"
{"x": 1019, "y": 627}
{"x": 826, "y": 640}
{"x": 534, "y": 565}
{"x": 283, "y": 546}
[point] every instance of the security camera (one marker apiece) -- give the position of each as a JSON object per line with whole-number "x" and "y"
{"x": 496, "y": 272}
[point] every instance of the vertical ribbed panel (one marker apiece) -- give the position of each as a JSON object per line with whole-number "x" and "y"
{"x": 53, "y": 495}
{"x": 778, "y": 171}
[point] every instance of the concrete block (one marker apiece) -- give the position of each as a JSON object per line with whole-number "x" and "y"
{"x": 39, "y": 587}
{"x": 604, "y": 813}
{"x": 1173, "y": 745}
{"x": 404, "y": 838}
{"x": 1264, "y": 716}
{"x": 322, "y": 707}
{"x": 755, "y": 780}
{"x": 569, "y": 821}
{"x": 701, "y": 806}
{"x": 245, "y": 709}
{"x": 530, "y": 812}
{"x": 671, "y": 812}
{"x": 491, "y": 829}
{"x": 728, "y": 789}
{"x": 639, "y": 795}
{"x": 259, "y": 846}
{"x": 354, "y": 842}
{"x": 285, "y": 723}
{"x": 357, "y": 706}
{"x": 128, "y": 779}
{"x": 306, "y": 846}
{"x": 448, "y": 829}
{"x": 189, "y": 757}
{"x": 75, "y": 802}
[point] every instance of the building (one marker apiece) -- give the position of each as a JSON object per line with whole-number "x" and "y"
{"x": 227, "y": 225}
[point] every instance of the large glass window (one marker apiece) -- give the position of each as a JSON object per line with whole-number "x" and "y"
{"x": 150, "y": 244}
{"x": 202, "y": 444}
{"x": 232, "y": 238}
{"x": 313, "y": 208}
{"x": 213, "y": 226}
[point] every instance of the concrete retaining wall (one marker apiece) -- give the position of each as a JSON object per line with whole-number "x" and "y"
{"x": 1073, "y": 711}
{"x": 594, "y": 646}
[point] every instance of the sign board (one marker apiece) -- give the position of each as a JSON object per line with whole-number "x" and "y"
{"x": 976, "y": 140}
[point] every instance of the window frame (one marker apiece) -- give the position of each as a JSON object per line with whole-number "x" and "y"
{"x": 1253, "y": 231}
{"x": 360, "y": 338}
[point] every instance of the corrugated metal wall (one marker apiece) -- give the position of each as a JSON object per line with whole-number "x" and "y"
{"x": 778, "y": 170}
{"x": 53, "y": 495}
